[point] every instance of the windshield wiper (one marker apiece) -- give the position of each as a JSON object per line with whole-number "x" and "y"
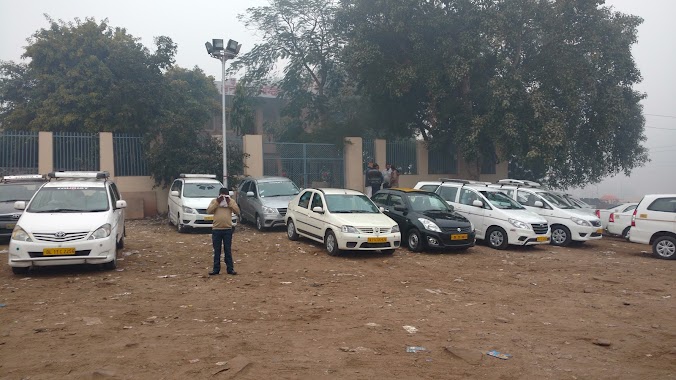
{"x": 62, "y": 210}
{"x": 13, "y": 200}
{"x": 361, "y": 212}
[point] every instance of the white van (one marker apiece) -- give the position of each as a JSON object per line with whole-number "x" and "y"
{"x": 497, "y": 219}
{"x": 75, "y": 218}
{"x": 189, "y": 197}
{"x": 654, "y": 222}
{"x": 568, "y": 224}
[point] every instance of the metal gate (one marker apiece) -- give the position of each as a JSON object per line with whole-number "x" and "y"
{"x": 308, "y": 165}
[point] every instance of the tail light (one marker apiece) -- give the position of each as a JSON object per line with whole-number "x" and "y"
{"x": 598, "y": 214}
{"x": 611, "y": 218}
{"x": 633, "y": 219}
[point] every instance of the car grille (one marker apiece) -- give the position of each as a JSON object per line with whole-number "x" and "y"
{"x": 8, "y": 218}
{"x": 77, "y": 253}
{"x": 540, "y": 229}
{"x": 71, "y": 236}
{"x": 374, "y": 230}
{"x": 201, "y": 210}
{"x": 282, "y": 211}
{"x": 596, "y": 223}
{"x": 455, "y": 229}
{"x": 375, "y": 245}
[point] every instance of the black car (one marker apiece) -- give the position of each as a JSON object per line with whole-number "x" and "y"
{"x": 425, "y": 219}
{"x": 15, "y": 188}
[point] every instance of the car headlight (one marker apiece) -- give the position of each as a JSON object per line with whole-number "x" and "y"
{"x": 580, "y": 222}
{"x": 395, "y": 228}
{"x": 429, "y": 225}
{"x": 101, "y": 232}
{"x": 189, "y": 210}
{"x": 519, "y": 224}
{"x": 20, "y": 235}
{"x": 349, "y": 230}
{"x": 269, "y": 210}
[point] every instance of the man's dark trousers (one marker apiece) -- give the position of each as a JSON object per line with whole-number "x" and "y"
{"x": 224, "y": 238}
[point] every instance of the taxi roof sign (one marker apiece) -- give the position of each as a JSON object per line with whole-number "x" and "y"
{"x": 63, "y": 174}
{"x": 183, "y": 175}
{"x": 23, "y": 177}
{"x": 518, "y": 182}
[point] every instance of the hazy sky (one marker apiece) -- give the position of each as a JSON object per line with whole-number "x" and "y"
{"x": 191, "y": 23}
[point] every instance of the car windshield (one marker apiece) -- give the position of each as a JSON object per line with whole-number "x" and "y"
{"x": 427, "y": 202}
{"x": 350, "y": 203}
{"x": 18, "y": 192}
{"x": 555, "y": 200}
{"x": 201, "y": 190}
{"x": 277, "y": 189}
{"x": 500, "y": 200}
{"x": 70, "y": 199}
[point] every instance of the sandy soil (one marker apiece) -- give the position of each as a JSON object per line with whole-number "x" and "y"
{"x": 604, "y": 310}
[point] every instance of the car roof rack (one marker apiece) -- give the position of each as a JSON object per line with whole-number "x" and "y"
{"x": 518, "y": 183}
{"x": 464, "y": 181}
{"x": 184, "y": 175}
{"x": 23, "y": 177}
{"x": 78, "y": 175}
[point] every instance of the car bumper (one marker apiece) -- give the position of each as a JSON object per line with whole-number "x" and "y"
{"x": 617, "y": 228}
{"x": 519, "y": 236}
{"x": 442, "y": 240}
{"x": 6, "y": 229}
{"x": 584, "y": 233}
{"x": 201, "y": 220}
{"x": 270, "y": 221}
{"x": 364, "y": 242}
{"x": 25, "y": 254}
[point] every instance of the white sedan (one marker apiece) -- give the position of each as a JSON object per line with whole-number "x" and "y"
{"x": 342, "y": 220}
{"x": 604, "y": 214}
{"x": 619, "y": 223}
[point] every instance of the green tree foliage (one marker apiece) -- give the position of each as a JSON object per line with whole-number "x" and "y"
{"x": 85, "y": 76}
{"x": 548, "y": 84}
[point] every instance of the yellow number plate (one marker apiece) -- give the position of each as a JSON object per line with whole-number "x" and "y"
{"x": 10, "y": 226}
{"x": 459, "y": 237}
{"x": 58, "y": 251}
{"x": 377, "y": 240}
{"x": 209, "y": 217}
{"x": 599, "y": 231}
{"x": 542, "y": 238}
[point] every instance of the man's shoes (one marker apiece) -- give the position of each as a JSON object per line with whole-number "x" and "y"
{"x": 213, "y": 273}
{"x": 232, "y": 272}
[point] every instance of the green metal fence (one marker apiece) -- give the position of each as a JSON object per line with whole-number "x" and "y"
{"x": 76, "y": 151}
{"x": 307, "y": 165}
{"x": 402, "y": 155}
{"x": 368, "y": 152}
{"x": 442, "y": 160}
{"x": 129, "y": 156}
{"x": 18, "y": 152}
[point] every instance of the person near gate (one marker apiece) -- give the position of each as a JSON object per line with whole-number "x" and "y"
{"x": 374, "y": 177}
{"x": 394, "y": 177}
{"x": 221, "y": 233}
{"x": 367, "y": 186}
{"x": 386, "y": 175}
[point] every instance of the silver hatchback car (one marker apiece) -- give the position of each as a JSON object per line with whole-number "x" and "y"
{"x": 264, "y": 200}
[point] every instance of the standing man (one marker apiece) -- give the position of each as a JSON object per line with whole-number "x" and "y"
{"x": 386, "y": 175}
{"x": 374, "y": 177}
{"x": 367, "y": 185}
{"x": 221, "y": 233}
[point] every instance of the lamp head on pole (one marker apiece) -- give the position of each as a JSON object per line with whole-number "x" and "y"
{"x": 218, "y": 44}
{"x": 233, "y": 47}
{"x": 210, "y": 47}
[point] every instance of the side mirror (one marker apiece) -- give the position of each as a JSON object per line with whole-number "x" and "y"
{"x": 538, "y": 204}
{"x": 477, "y": 203}
{"x": 451, "y": 208}
{"x": 381, "y": 208}
{"x": 318, "y": 210}
{"x": 400, "y": 208}
{"x": 174, "y": 193}
{"x": 20, "y": 205}
{"x": 121, "y": 204}
{"x": 249, "y": 193}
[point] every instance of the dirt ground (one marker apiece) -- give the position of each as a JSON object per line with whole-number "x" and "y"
{"x": 604, "y": 310}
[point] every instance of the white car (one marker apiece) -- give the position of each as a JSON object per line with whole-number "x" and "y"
{"x": 76, "y": 218}
{"x": 619, "y": 223}
{"x": 341, "y": 219}
{"x": 189, "y": 197}
{"x": 568, "y": 224}
{"x": 604, "y": 214}
{"x": 497, "y": 219}
{"x": 654, "y": 222}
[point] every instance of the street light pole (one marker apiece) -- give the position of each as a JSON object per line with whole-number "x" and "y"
{"x": 223, "y": 53}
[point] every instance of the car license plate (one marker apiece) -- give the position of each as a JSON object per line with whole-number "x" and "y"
{"x": 542, "y": 238}
{"x": 58, "y": 251}
{"x": 459, "y": 237}
{"x": 599, "y": 231}
{"x": 209, "y": 217}
{"x": 9, "y": 226}
{"x": 377, "y": 240}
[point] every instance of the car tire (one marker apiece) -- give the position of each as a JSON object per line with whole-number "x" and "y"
{"x": 291, "y": 230}
{"x": 414, "y": 240}
{"x": 20, "y": 270}
{"x": 179, "y": 226}
{"x": 497, "y": 238}
{"x": 664, "y": 247}
{"x": 560, "y": 236}
{"x": 169, "y": 222}
{"x": 120, "y": 244}
{"x": 260, "y": 225}
{"x": 388, "y": 251}
{"x": 331, "y": 243}
{"x": 625, "y": 233}
{"x": 111, "y": 265}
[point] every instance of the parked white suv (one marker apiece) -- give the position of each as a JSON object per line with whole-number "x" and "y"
{"x": 189, "y": 197}
{"x": 497, "y": 219}
{"x": 568, "y": 224}
{"x": 654, "y": 222}
{"x": 76, "y": 218}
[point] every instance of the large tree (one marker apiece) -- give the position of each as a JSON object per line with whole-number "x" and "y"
{"x": 546, "y": 84}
